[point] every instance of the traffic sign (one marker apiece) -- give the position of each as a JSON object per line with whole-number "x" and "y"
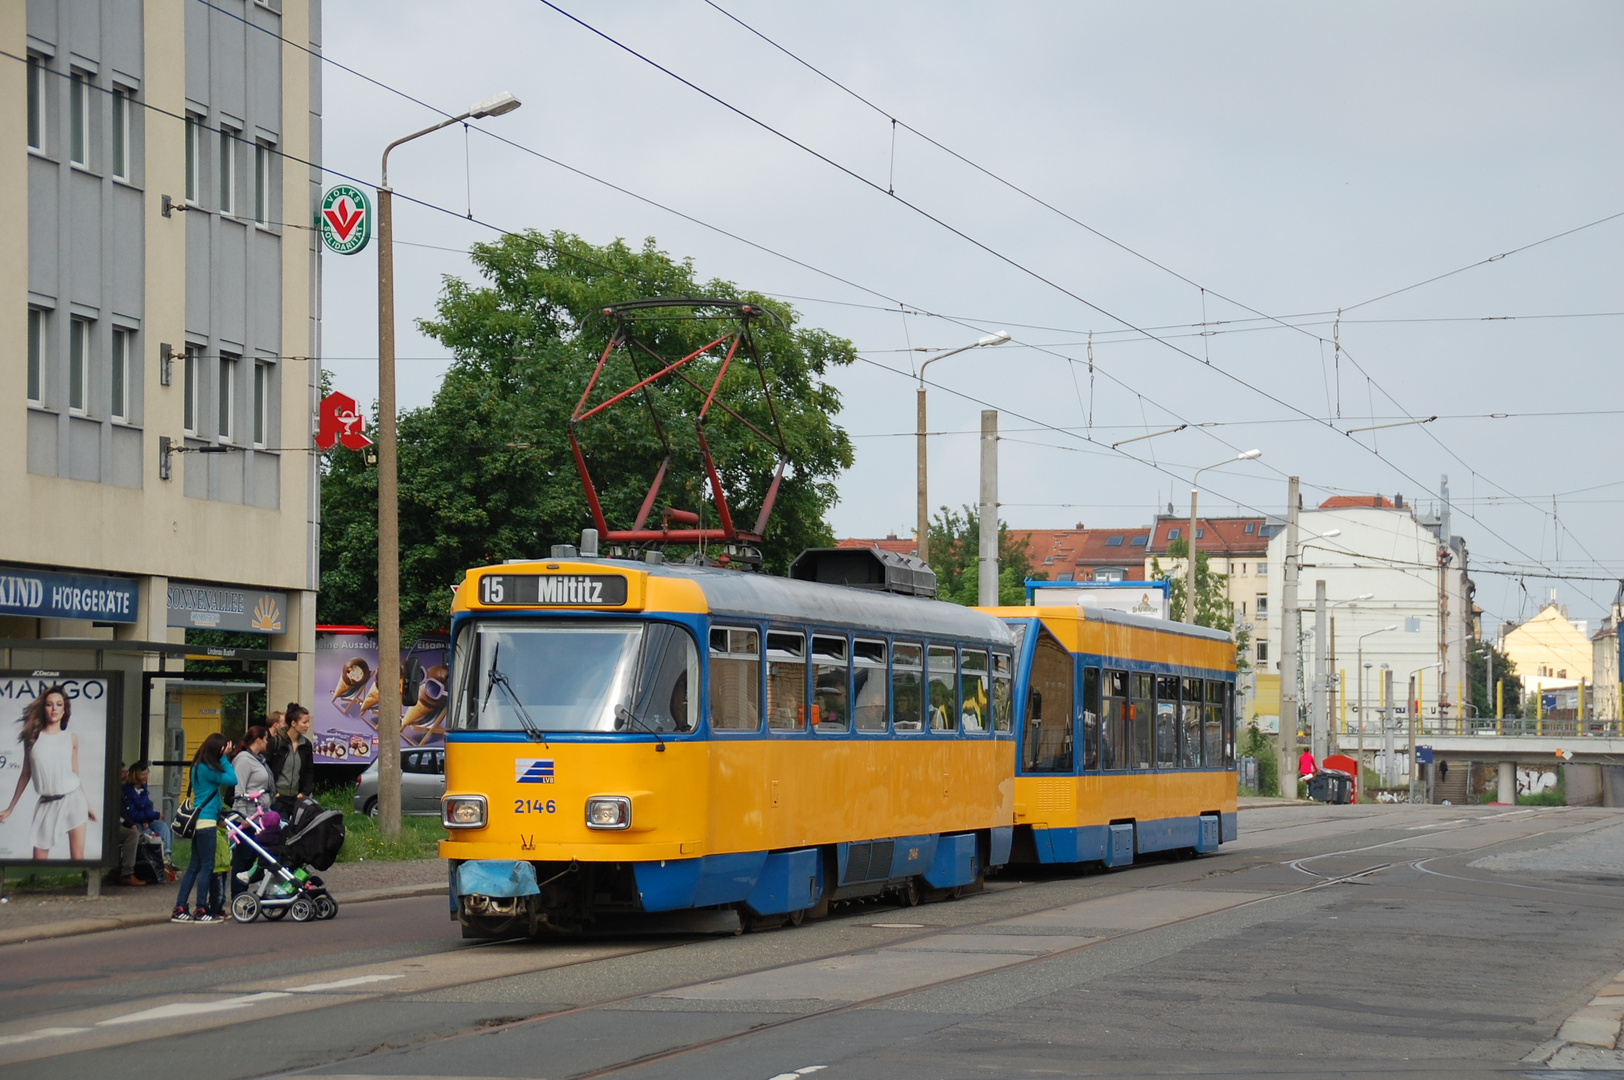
{"x": 345, "y": 219}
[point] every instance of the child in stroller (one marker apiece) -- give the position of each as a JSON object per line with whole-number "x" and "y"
{"x": 283, "y": 879}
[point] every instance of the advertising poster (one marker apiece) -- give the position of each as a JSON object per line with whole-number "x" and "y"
{"x": 53, "y": 766}
{"x": 344, "y": 716}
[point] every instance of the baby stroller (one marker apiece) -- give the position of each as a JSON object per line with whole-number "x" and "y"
{"x": 310, "y": 841}
{"x": 149, "y": 858}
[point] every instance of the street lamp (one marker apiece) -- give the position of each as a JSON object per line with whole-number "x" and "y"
{"x": 1189, "y": 569}
{"x": 1359, "y": 781}
{"x": 388, "y": 484}
{"x": 924, "y": 499}
{"x": 1415, "y": 719}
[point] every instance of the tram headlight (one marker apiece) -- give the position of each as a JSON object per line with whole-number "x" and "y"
{"x": 609, "y": 812}
{"x": 463, "y": 811}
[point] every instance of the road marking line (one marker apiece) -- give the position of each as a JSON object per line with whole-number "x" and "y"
{"x": 359, "y": 980}
{"x": 192, "y": 1008}
{"x": 810, "y": 1069}
{"x": 42, "y": 1033}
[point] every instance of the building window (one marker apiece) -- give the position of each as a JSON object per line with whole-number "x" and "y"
{"x": 194, "y": 158}
{"x": 36, "y": 103}
{"x": 262, "y": 183}
{"x": 78, "y": 365}
{"x": 227, "y": 396}
{"x": 1263, "y": 652}
{"x": 1113, "y": 541}
{"x": 118, "y": 382}
{"x": 262, "y": 401}
{"x": 1140, "y": 541}
{"x": 1251, "y": 527}
{"x": 121, "y": 133}
{"x": 79, "y": 120}
{"x": 191, "y": 390}
{"x": 1243, "y": 609}
{"x": 1262, "y": 605}
{"x": 1172, "y": 534}
{"x": 1199, "y": 533}
{"x": 1262, "y": 569}
{"x": 1108, "y": 575}
{"x": 228, "y": 171}
{"x": 36, "y": 356}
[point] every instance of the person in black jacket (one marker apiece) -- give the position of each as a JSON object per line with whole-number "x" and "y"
{"x": 292, "y": 759}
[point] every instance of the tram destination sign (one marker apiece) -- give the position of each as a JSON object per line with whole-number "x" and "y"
{"x": 562, "y": 590}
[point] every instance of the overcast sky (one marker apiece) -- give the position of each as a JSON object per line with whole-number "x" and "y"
{"x": 1295, "y": 159}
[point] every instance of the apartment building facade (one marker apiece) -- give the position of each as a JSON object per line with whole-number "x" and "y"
{"x": 162, "y": 165}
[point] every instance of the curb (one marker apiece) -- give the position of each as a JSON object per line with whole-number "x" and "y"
{"x": 75, "y": 927}
{"x": 1587, "y": 1039}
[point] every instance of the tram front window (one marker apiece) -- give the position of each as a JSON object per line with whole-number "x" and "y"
{"x": 599, "y": 676}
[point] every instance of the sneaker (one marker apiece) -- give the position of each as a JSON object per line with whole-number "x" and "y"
{"x": 170, "y": 875}
{"x": 180, "y": 914}
{"x": 205, "y": 916}
{"x": 130, "y": 879}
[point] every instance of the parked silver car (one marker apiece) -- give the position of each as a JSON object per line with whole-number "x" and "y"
{"x": 422, "y": 782}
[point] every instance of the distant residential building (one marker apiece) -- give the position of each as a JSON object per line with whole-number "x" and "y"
{"x": 1237, "y": 547}
{"x": 1080, "y": 554}
{"x": 1609, "y": 695}
{"x": 891, "y": 543}
{"x": 1388, "y": 549}
{"x": 1553, "y": 654}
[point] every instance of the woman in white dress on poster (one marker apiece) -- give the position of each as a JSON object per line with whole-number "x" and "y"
{"x": 51, "y": 760}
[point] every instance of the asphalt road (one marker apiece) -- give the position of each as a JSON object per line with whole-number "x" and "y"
{"x": 1327, "y": 941}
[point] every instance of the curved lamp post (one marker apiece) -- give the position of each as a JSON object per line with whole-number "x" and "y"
{"x": 1189, "y": 568}
{"x": 924, "y": 499}
{"x": 1359, "y": 781}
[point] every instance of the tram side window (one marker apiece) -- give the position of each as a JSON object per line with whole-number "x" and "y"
{"x": 1167, "y": 721}
{"x": 943, "y": 688}
{"x": 1139, "y": 721}
{"x": 735, "y": 679}
{"x": 1190, "y": 725}
{"x": 1003, "y": 715}
{"x": 1091, "y": 719}
{"x": 973, "y": 682}
{"x": 786, "y": 681}
{"x": 907, "y": 686}
{"x": 868, "y": 684}
{"x": 829, "y": 677}
{"x": 1213, "y": 728}
{"x": 1229, "y": 725}
{"x": 1046, "y": 737}
{"x": 1114, "y": 721}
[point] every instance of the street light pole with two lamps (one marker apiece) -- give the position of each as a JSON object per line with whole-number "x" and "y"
{"x": 1359, "y": 781}
{"x": 389, "y": 484}
{"x": 923, "y": 497}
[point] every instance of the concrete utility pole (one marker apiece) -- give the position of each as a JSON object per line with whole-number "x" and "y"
{"x": 987, "y": 516}
{"x": 1189, "y": 564}
{"x": 1320, "y": 720}
{"x": 1444, "y": 555}
{"x": 1288, "y": 649}
{"x": 1389, "y": 771}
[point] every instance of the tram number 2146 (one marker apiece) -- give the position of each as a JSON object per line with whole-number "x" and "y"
{"x": 535, "y": 806}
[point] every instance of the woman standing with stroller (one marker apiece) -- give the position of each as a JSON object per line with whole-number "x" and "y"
{"x": 208, "y": 775}
{"x": 254, "y": 786}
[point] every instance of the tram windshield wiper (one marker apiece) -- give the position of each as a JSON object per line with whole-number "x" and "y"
{"x": 626, "y": 716}
{"x": 496, "y": 677}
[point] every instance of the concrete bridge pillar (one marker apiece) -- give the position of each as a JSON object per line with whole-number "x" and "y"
{"x": 1508, "y": 783}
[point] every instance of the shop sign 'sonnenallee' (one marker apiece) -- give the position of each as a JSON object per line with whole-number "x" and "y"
{"x": 222, "y": 607}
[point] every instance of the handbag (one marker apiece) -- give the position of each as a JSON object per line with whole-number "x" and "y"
{"x": 184, "y": 824}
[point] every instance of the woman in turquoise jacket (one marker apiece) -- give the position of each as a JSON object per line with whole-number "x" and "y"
{"x": 209, "y": 777}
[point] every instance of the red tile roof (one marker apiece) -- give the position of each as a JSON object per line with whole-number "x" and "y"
{"x": 1223, "y": 536}
{"x": 1337, "y": 502}
{"x": 1079, "y": 552}
{"x": 890, "y": 543}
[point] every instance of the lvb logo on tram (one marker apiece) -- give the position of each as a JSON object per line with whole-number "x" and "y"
{"x": 533, "y": 770}
{"x": 345, "y": 219}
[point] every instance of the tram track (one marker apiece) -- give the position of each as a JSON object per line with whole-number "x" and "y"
{"x": 1323, "y": 881}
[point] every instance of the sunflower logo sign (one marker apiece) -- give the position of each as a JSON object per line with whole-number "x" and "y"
{"x": 267, "y": 617}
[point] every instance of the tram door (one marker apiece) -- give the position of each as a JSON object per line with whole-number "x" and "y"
{"x": 1047, "y": 736}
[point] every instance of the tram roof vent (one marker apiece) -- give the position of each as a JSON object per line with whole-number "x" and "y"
{"x": 866, "y": 568}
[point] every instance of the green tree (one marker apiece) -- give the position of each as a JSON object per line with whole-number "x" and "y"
{"x": 1504, "y": 668}
{"x": 1212, "y": 607}
{"x": 486, "y": 470}
{"x": 955, "y": 546}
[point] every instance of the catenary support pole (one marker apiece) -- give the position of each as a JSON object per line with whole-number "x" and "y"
{"x": 922, "y": 507}
{"x": 388, "y": 533}
{"x": 1320, "y": 719}
{"x": 987, "y": 516}
{"x": 1288, "y": 649}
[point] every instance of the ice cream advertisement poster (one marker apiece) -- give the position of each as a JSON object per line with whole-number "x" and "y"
{"x": 344, "y": 716}
{"x": 53, "y": 766}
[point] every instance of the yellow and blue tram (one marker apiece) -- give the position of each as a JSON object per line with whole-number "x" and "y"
{"x": 647, "y": 737}
{"x": 628, "y": 736}
{"x": 1127, "y": 736}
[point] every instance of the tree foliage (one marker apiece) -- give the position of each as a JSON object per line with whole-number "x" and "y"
{"x": 1212, "y": 607}
{"x": 1482, "y": 692}
{"x": 486, "y": 470}
{"x": 955, "y": 546}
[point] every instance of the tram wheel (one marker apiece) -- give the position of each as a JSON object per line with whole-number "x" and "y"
{"x": 796, "y": 918}
{"x": 909, "y": 893}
